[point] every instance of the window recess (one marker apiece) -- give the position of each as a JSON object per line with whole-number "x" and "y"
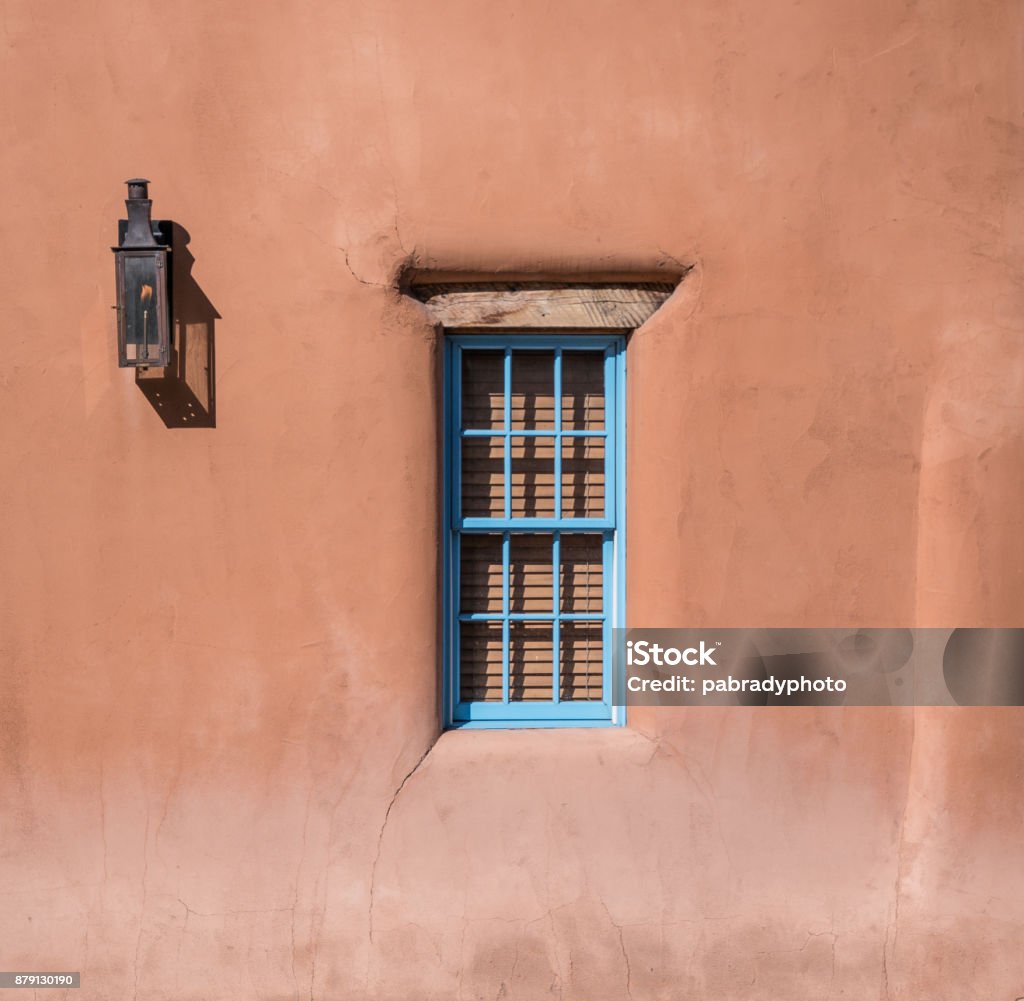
{"x": 534, "y": 508}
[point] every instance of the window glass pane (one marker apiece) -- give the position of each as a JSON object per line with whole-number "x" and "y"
{"x": 530, "y": 578}
{"x": 480, "y": 577}
{"x": 533, "y": 390}
{"x": 529, "y": 661}
{"x": 533, "y": 477}
{"x": 582, "y": 390}
{"x": 582, "y": 478}
{"x": 480, "y": 662}
{"x": 581, "y": 573}
{"x": 483, "y": 389}
{"x": 483, "y": 477}
{"x": 580, "y": 662}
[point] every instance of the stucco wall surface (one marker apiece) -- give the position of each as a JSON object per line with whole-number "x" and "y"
{"x": 219, "y": 645}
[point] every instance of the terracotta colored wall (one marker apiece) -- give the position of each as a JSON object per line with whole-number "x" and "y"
{"x": 219, "y": 645}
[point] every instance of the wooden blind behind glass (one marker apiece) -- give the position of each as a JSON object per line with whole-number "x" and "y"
{"x": 532, "y": 600}
{"x": 529, "y": 460}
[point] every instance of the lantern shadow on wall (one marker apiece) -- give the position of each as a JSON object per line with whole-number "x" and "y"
{"x": 183, "y": 394}
{"x": 166, "y": 324}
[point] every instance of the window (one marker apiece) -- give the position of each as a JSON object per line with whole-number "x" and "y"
{"x": 533, "y": 535}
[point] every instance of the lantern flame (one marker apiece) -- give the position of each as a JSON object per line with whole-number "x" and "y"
{"x": 146, "y": 294}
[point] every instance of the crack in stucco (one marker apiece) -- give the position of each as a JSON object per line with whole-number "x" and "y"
{"x": 893, "y": 925}
{"x": 625, "y": 959}
{"x": 706, "y": 790}
{"x": 103, "y": 818}
{"x": 511, "y": 975}
{"x": 407, "y": 257}
{"x": 312, "y": 973}
{"x": 831, "y": 934}
{"x": 142, "y": 909}
{"x": 295, "y": 898}
{"x": 835, "y": 939}
{"x": 383, "y": 827}
{"x": 622, "y": 948}
{"x": 232, "y": 913}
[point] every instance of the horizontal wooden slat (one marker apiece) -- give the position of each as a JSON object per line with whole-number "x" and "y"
{"x": 531, "y": 576}
{"x": 483, "y": 389}
{"x": 532, "y": 485}
{"x": 582, "y": 390}
{"x": 580, "y": 662}
{"x": 583, "y": 479}
{"x": 480, "y": 662}
{"x": 533, "y": 390}
{"x": 541, "y": 447}
{"x": 533, "y": 477}
{"x": 581, "y": 573}
{"x": 480, "y": 574}
{"x": 530, "y": 661}
{"x": 483, "y": 478}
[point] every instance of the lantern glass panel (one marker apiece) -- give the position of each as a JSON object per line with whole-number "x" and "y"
{"x": 143, "y": 314}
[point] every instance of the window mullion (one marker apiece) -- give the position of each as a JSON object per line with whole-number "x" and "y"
{"x": 558, "y": 432}
{"x": 607, "y": 585}
{"x": 611, "y": 445}
{"x": 556, "y": 626}
{"x": 508, "y": 437}
{"x": 455, "y": 501}
{"x": 556, "y": 629}
{"x": 505, "y": 601}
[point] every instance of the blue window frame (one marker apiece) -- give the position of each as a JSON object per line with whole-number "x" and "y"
{"x": 533, "y": 528}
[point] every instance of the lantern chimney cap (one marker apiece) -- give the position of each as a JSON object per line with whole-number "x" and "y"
{"x": 139, "y": 232}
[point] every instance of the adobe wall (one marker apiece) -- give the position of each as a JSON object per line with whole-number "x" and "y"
{"x": 220, "y": 644}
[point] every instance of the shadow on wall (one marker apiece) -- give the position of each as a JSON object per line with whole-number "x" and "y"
{"x": 184, "y": 394}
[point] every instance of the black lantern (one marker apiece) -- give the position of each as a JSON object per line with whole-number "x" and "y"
{"x": 143, "y": 301}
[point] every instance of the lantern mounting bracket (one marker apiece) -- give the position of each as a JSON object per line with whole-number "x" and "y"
{"x": 162, "y": 230}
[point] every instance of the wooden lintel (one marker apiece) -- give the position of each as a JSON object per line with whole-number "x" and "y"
{"x": 542, "y": 305}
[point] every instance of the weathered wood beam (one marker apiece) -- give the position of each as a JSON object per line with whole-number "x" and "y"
{"x": 542, "y": 305}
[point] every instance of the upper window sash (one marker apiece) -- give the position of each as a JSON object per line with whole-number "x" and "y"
{"x": 557, "y": 435}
